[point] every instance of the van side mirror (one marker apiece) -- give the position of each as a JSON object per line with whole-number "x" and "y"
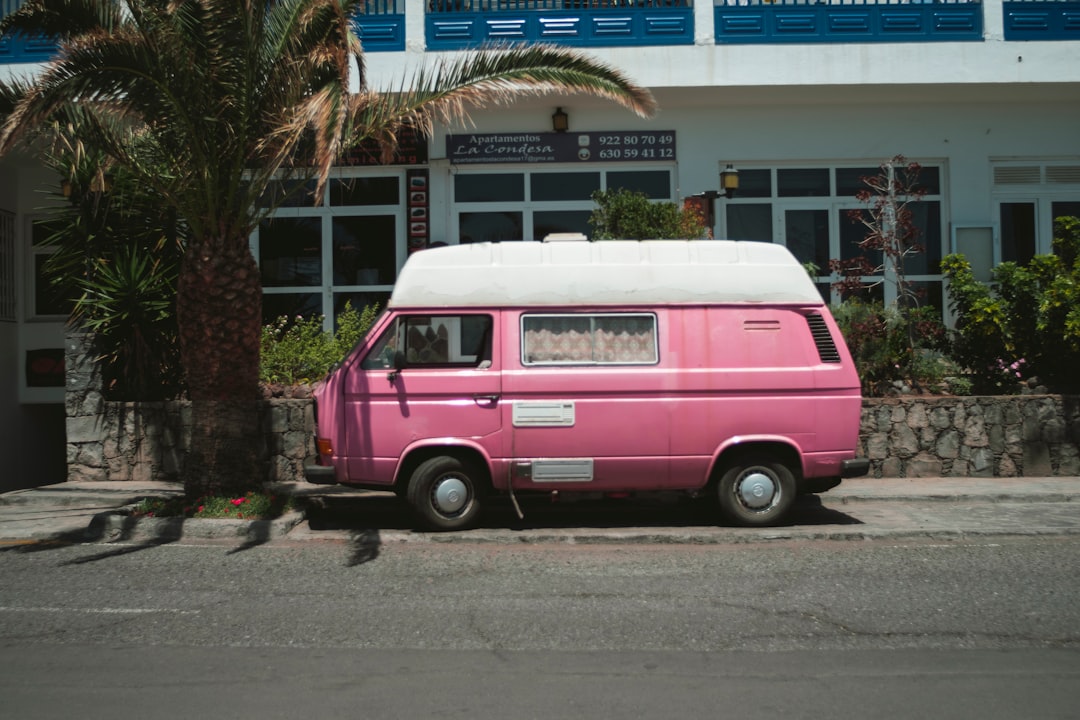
{"x": 399, "y": 365}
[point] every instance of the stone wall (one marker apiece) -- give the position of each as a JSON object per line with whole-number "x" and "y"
{"x": 998, "y": 436}
{"x": 146, "y": 441}
{"x": 1023, "y": 435}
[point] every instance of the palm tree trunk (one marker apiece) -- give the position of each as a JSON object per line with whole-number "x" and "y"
{"x": 219, "y": 311}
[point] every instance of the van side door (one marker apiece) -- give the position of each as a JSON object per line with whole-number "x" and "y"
{"x": 586, "y": 400}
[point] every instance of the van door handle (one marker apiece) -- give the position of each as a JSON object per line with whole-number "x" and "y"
{"x": 486, "y": 399}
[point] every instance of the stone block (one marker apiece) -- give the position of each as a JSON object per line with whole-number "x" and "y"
{"x": 981, "y": 463}
{"x": 83, "y": 429}
{"x": 279, "y": 418}
{"x": 975, "y": 431}
{"x": 924, "y": 465}
{"x": 940, "y": 418}
{"x": 948, "y": 445}
{"x": 1053, "y": 430}
{"x": 1037, "y": 460}
{"x": 1007, "y": 467}
{"x": 903, "y": 441}
{"x": 917, "y": 417}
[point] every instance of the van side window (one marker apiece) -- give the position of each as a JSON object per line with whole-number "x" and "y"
{"x": 589, "y": 339}
{"x": 433, "y": 341}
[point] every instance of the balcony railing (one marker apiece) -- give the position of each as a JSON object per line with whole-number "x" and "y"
{"x": 20, "y": 49}
{"x": 381, "y": 28}
{"x": 844, "y": 21}
{"x": 456, "y": 24}
{"x": 462, "y": 24}
{"x": 382, "y": 25}
{"x": 1042, "y": 20}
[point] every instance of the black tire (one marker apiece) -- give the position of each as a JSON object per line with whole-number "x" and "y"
{"x": 756, "y": 491}
{"x": 445, "y": 493}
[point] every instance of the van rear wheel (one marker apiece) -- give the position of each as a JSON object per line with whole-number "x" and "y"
{"x": 756, "y": 491}
{"x": 445, "y": 493}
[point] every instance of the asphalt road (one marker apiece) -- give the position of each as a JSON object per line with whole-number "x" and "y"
{"x": 817, "y": 629}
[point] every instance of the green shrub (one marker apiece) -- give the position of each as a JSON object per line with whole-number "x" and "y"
{"x": 297, "y": 350}
{"x": 881, "y": 343}
{"x": 1027, "y": 323}
{"x": 629, "y": 215}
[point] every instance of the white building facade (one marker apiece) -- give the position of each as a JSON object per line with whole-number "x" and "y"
{"x": 801, "y": 98}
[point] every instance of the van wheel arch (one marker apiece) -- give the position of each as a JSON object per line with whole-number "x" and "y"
{"x": 419, "y": 456}
{"x": 756, "y": 483}
{"x": 445, "y": 487}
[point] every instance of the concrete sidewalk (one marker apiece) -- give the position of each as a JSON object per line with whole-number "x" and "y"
{"x": 93, "y": 512}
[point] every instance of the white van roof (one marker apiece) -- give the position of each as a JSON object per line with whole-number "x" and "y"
{"x": 608, "y": 272}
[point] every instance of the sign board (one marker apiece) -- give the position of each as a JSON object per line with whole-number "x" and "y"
{"x": 552, "y": 147}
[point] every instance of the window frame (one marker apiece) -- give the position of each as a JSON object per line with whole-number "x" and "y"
{"x": 328, "y": 294}
{"x": 528, "y": 207}
{"x": 836, "y": 207}
{"x": 376, "y": 358}
{"x": 33, "y": 280}
{"x": 524, "y": 356}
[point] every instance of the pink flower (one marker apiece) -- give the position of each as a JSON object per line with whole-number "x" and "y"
{"x": 200, "y": 508}
{"x": 237, "y": 502}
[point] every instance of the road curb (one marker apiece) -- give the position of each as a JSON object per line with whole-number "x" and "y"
{"x": 121, "y": 526}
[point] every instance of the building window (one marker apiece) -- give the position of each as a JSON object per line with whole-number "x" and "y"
{"x": 314, "y": 259}
{"x": 807, "y": 210}
{"x": 529, "y": 205}
{"x": 8, "y": 306}
{"x": 46, "y": 301}
{"x": 1029, "y": 197}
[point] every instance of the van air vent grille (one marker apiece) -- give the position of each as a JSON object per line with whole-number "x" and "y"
{"x": 825, "y": 346}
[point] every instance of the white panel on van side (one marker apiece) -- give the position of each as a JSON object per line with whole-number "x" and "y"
{"x": 570, "y": 470}
{"x": 539, "y": 413}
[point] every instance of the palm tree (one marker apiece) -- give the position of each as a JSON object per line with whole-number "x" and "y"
{"x": 232, "y": 96}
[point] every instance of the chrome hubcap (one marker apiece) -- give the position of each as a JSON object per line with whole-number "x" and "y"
{"x": 450, "y": 495}
{"x": 756, "y": 490}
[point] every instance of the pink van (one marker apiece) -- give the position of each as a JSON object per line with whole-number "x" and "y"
{"x": 608, "y": 367}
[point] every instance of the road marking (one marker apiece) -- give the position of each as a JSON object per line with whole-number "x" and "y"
{"x": 98, "y": 611}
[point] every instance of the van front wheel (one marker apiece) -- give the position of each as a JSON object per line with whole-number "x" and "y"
{"x": 445, "y": 493}
{"x": 757, "y": 492}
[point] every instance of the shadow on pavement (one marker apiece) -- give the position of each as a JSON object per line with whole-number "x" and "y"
{"x": 98, "y": 532}
{"x": 366, "y": 515}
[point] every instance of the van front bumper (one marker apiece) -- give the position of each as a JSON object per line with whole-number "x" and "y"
{"x": 320, "y": 474}
{"x": 856, "y": 467}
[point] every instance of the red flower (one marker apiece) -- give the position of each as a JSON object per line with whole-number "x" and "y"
{"x": 238, "y": 501}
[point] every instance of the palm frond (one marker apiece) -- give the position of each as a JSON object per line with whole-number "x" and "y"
{"x": 447, "y": 91}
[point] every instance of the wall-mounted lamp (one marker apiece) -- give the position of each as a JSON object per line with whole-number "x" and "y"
{"x": 729, "y": 181}
{"x": 560, "y": 121}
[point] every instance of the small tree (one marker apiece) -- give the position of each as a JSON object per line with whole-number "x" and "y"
{"x": 898, "y": 340}
{"x": 629, "y": 215}
{"x": 890, "y": 230}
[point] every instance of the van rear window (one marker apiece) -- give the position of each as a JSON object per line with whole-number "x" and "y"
{"x": 589, "y": 339}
